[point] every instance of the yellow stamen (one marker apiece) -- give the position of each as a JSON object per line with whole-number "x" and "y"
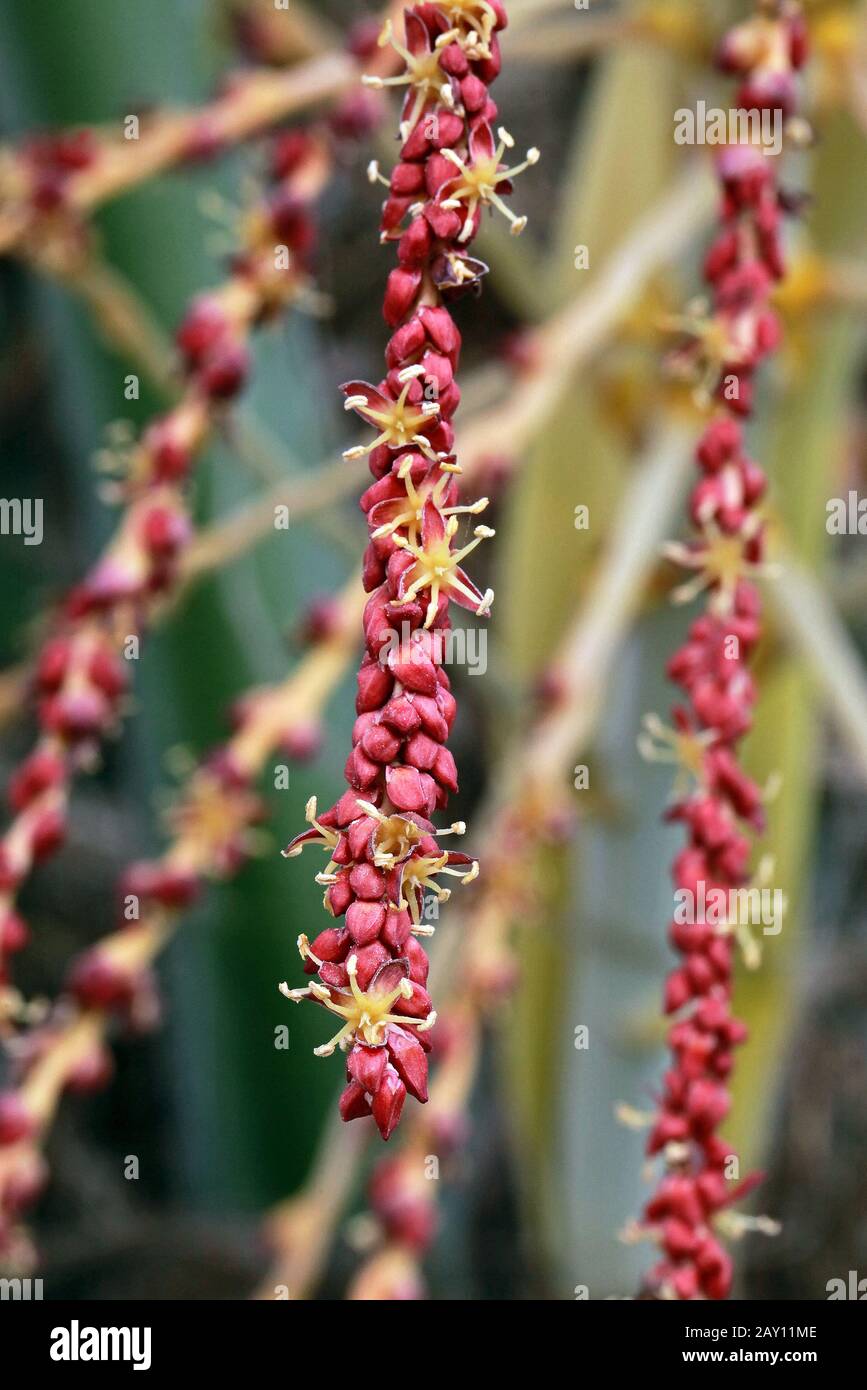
{"x": 327, "y": 836}
{"x": 423, "y": 72}
{"x": 411, "y": 516}
{"x": 420, "y": 874}
{"x": 478, "y": 183}
{"x": 435, "y": 568}
{"x": 722, "y": 563}
{"x": 366, "y": 1016}
{"x": 399, "y": 425}
{"x": 659, "y": 744}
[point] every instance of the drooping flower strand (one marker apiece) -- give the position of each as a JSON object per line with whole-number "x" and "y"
{"x": 212, "y": 833}
{"x": 715, "y": 801}
{"x": 384, "y": 852}
{"x": 81, "y": 672}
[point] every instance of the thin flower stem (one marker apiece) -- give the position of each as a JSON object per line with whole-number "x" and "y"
{"x": 573, "y": 39}
{"x": 129, "y": 327}
{"x": 815, "y": 630}
{"x": 567, "y": 340}
{"x": 299, "y": 1231}
{"x": 124, "y": 319}
{"x": 254, "y": 102}
{"x": 567, "y": 40}
{"x": 225, "y": 541}
{"x": 282, "y": 36}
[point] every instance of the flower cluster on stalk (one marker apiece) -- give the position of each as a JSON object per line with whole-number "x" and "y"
{"x": 384, "y": 852}
{"x": 716, "y": 802}
{"x": 81, "y": 672}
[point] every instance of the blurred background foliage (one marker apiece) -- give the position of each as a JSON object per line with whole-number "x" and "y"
{"x": 223, "y": 1123}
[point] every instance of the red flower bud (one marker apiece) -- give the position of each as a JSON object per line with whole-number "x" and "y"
{"x": 224, "y": 371}
{"x": 37, "y": 774}
{"x": 16, "y": 1121}
{"x": 388, "y": 1102}
{"x": 98, "y": 983}
{"x": 202, "y": 329}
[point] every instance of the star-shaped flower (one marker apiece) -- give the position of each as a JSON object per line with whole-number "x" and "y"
{"x": 365, "y": 1014}
{"x": 484, "y": 179}
{"x": 400, "y": 422}
{"x": 437, "y": 567}
{"x": 423, "y": 75}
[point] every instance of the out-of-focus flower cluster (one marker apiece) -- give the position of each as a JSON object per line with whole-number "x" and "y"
{"x": 717, "y": 803}
{"x": 81, "y": 673}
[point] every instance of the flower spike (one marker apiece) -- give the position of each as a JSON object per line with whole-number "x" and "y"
{"x": 688, "y": 1215}
{"x": 385, "y": 856}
